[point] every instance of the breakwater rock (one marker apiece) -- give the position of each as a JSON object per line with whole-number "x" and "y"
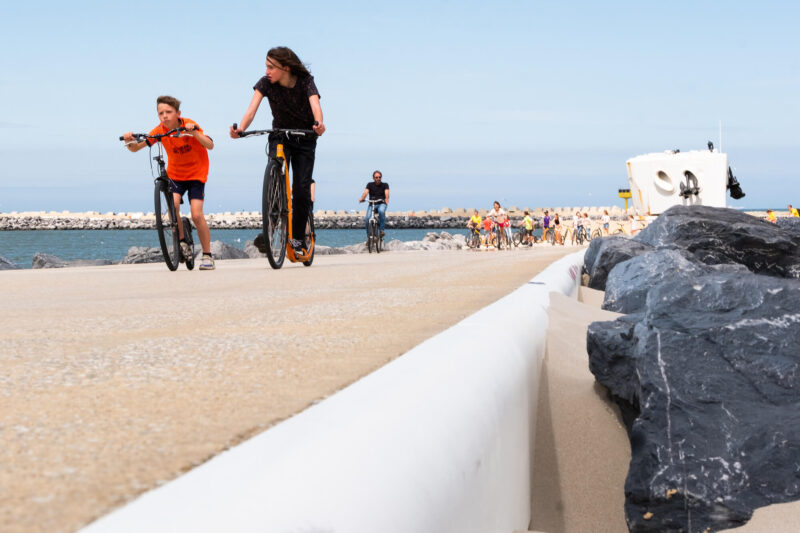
{"x": 5, "y": 264}
{"x": 41, "y": 260}
{"x": 220, "y": 250}
{"x": 705, "y": 368}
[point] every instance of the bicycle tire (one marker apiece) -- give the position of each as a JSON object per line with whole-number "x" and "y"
{"x": 187, "y": 232}
{"x": 167, "y": 225}
{"x": 517, "y": 238}
{"x": 596, "y": 234}
{"x": 310, "y": 238}
{"x": 274, "y": 215}
{"x": 371, "y": 236}
{"x": 550, "y": 236}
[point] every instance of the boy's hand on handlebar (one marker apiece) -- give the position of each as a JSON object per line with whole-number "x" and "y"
{"x": 128, "y": 137}
{"x": 235, "y": 132}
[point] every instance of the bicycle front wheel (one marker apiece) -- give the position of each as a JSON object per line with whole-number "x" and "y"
{"x": 372, "y": 236}
{"x": 167, "y": 225}
{"x": 551, "y": 236}
{"x": 518, "y": 238}
{"x": 596, "y": 234}
{"x": 274, "y": 215}
{"x": 310, "y": 238}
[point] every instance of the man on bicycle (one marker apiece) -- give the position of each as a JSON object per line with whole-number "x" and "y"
{"x": 378, "y": 191}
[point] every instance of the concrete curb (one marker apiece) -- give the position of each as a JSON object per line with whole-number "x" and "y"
{"x": 440, "y": 439}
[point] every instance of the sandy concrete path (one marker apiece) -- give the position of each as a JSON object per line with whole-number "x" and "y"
{"x": 117, "y": 379}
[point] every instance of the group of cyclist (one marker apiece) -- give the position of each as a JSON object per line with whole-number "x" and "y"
{"x": 497, "y": 222}
{"x": 294, "y": 101}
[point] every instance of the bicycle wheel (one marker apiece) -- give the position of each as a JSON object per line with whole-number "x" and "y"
{"x": 518, "y": 238}
{"x": 371, "y": 236}
{"x": 274, "y": 215}
{"x": 187, "y": 232}
{"x": 596, "y": 234}
{"x": 550, "y": 236}
{"x": 167, "y": 225}
{"x": 310, "y": 238}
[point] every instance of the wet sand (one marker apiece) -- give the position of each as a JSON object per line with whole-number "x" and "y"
{"x": 117, "y": 379}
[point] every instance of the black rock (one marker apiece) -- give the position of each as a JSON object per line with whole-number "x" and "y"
{"x": 718, "y": 235}
{"x": 712, "y": 369}
{"x": 605, "y": 253}
{"x": 5, "y": 264}
{"x": 629, "y": 282}
{"x": 791, "y": 224}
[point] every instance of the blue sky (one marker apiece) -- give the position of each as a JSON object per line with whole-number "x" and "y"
{"x": 458, "y": 103}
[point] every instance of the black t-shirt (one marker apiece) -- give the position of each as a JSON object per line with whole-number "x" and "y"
{"x": 377, "y": 191}
{"x": 290, "y": 107}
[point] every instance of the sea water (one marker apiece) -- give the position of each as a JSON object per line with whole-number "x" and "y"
{"x": 20, "y": 246}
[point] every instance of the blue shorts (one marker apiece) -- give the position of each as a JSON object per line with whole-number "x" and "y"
{"x": 196, "y": 189}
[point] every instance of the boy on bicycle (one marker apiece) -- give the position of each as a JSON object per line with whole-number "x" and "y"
{"x": 294, "y": 101}
{"x": 378, "y": 191}
{"x": 187, "y": 169}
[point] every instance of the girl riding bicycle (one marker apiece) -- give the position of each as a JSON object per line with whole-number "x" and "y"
{"x": 294, "y": 101}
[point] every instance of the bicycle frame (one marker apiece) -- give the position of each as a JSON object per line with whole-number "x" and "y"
{"x": 169, "y": 241}
{"x": 282, "y": 163}
{"x": 294, "y": 257}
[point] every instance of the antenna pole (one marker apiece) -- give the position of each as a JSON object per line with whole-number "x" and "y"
{"x": 720, "y": 136}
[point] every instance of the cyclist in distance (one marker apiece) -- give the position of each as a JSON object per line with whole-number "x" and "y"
{"x": 294, "y": 101}
{"x": 187, "y": 168}
{"x": 474, "y": 221}
{"x": 378, "y": 191}
{"x": 498, "y": 215}
{"x": 527, "y": 223}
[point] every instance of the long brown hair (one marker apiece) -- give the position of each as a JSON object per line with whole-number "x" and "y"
{"x": 286, "y": 57}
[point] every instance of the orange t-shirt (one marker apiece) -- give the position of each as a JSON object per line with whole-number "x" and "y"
{"x": 187, "y": 159}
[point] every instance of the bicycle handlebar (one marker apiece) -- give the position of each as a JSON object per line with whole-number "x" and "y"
{"x": 285, "y": 131}
{"x": 139, "y": 137}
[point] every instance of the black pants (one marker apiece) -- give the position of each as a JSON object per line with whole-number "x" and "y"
{"x": 300, "y": 156}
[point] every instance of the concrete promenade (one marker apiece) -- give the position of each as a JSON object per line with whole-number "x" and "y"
{"x": 116, "y": 379}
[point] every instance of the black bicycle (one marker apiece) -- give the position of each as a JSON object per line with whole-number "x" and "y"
{"x": 374, "y": 239}
{"x": 276, "y": 205}
{"x": 167, "y": 224}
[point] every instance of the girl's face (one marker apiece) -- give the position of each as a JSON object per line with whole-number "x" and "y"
{"x": 496, "y": 206}
{"x": 275, "y": 71}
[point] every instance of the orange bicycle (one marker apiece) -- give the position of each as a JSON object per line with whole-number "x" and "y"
{"x": 276, "y": 205}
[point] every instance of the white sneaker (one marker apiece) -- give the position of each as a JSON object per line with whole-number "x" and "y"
{"x": 207, "y": 263}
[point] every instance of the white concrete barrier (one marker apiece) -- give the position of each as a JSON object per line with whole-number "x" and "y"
{"x": 438, "y": 440}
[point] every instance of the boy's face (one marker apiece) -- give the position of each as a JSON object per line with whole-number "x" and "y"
{"x": 169, "y": 116}
{"x": 275, "y": 71}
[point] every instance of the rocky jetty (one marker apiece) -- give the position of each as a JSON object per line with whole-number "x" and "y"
{"x": 705, "y": 367}
{"x": 444, "y": 218}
